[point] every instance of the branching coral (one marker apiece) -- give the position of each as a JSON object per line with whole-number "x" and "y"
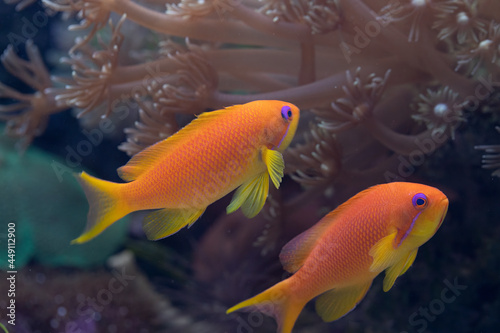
{"x": 27, "y": 117}
{"x": 316, "y": 162}
{"x": 291, "y": 53}
{"x": 321, "y": 16}
{"x": 417, "y": 13}
{"x": 188, "y": 9}
{"x": 91, "y": 74}
{"x": 152, "y": 127}
{"x": 361, "y": 97}
{"x": 459, "y": 19}
{"x": 485, "y": 51}
{"x": 377, "y": 81}
{"x": 187, "y": 90}
{"x": 91, "y": 13}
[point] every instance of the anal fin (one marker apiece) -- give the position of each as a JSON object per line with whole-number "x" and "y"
{"x": 336, "y": 303}
{"x": 165, "y": 222}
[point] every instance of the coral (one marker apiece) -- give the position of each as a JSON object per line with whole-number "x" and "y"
{"x": 27, "y": 117}
{"x": 440, "y": 110}
{"x": 315, "y": 162}
{"x": 384, "y": 86}
{"x": 205, "y": 74}
{"x": 92, "y": 71}
{"x": 116, "y": 299}
{"x": 151, "y": 127}
{"x": 44, "y": 228}
{"x": 358, "y": 103}
{"x": 483, "y": 51}
{"x": 459, "y": 20}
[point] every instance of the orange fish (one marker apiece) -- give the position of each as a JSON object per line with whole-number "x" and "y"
{"x": 236, "y": 147}
{"x": 378, "y": 229}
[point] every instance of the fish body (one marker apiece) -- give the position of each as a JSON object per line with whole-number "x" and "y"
{"x": 239, "y": 146}
{"x": 337, "y": 259}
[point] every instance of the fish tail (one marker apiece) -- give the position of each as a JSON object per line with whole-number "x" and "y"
{"x": 105, "y": 206}
{"x": 277, "y": 302}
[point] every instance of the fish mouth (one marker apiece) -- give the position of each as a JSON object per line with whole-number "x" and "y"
{"x": 444, "y": 202}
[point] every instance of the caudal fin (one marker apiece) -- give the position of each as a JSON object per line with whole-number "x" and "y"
{"x": 277, "y": 302}
{"x": 104, "y": 206}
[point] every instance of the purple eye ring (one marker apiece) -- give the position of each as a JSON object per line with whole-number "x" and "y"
{"x": 419, "y": 201}
{"x": 286, "y": 112}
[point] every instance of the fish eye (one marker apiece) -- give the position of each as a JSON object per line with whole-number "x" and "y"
{"x": 286, "y": 112}
{"x": 419, "y": 201}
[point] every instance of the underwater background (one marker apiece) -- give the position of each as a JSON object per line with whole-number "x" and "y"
{"x": 409, "y": 93}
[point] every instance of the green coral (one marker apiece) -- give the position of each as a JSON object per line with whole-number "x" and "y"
{"x": 48, "y": 209}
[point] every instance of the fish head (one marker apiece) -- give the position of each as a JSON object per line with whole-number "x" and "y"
{"x": 422, "y": 212}
{"x": 281, "y": 125}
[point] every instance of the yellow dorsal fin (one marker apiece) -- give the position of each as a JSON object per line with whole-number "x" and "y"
{"x": 143, "y": 160}
{"x": 149, "y": 157}
{"x": 295, "y": 252}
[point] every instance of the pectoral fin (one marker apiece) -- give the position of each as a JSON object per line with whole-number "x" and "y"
{"x": 336, "y": 303}
{"x": 250, "y": 196}
{"x": 275, "y": 165}
{"x": 398, "y": 269}
{"x": 165, "y": 222}
{"x": 384, "y": 254}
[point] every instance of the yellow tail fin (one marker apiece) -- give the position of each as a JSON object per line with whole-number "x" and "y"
{"x": 277, "y": 302}
{"x": 104, "y": 206}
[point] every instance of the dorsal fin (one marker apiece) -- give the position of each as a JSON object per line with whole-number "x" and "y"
{"x": 149, "y": 157}
{"x": 295, "y": 252}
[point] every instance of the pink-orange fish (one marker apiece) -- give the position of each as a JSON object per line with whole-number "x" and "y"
{"x": 236, "y": 147}
{"x": 378, "y": 229}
